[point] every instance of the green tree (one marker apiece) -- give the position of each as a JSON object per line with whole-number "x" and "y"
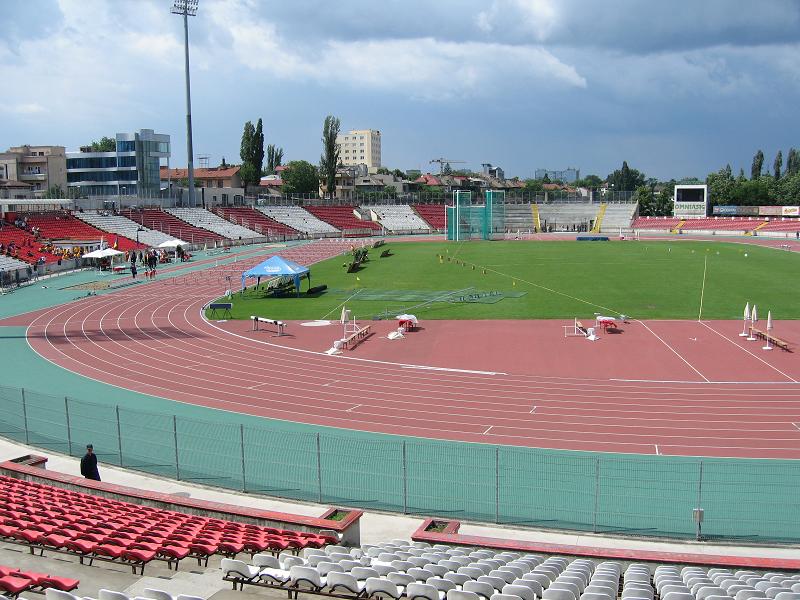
{"x": 383, "y": 171}
{"x": 721, "y": 185}
{"x": 257, "y": 150}
{"x": 757, "y": 166}
{"x": 792, "y": 162}
{"x": 399, "y": 174}
{"x": 778, "y": 164}
{"x": 300, "y": 177}
{"x": 646, "y": 198}
{"x": 274, "y": 158}
{"x": 533, "y": 185}
{"x": 330, "y": 153}
{"x": 248, "y": 171}
{"x": 590, "y": 181}
{"x": 447, "y": 169}
{"x": 106, "y": 144}
{"x": 626, "y": 179}
{"x": 54, "y": 191}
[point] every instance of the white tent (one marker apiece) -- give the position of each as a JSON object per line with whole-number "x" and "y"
{"x": 109, "y": 253}
{"x": 171, "y": 244}
{"x": 104, "y": 253}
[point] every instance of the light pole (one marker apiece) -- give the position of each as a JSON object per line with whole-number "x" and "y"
{"x": 187, "y": 8}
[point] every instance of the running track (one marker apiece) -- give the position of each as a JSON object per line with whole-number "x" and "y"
{"x": 152, "y": 338}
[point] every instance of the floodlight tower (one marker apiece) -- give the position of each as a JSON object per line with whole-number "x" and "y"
{"x": 187, "y": 8}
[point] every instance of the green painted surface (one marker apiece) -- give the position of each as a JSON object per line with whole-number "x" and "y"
{"x": 646, "y": 280}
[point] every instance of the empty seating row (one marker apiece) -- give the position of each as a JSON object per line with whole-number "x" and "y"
{"x": 15, "y": 581}
{"x": 782, "y": 225}
{"x": 11, "y": 264}
{"x": 342, "y": 218}
{"x": 66, "y": 226}
{"x": 560, "y": 217}
{"x": 157, "y": 219}
{"x": 433, "y": 213}
{"x": 400, "y": 569}
{"x": 665, "y": 223}
{"x": 298, "y": 218}
{"x": 122, "y": 226}
{"x": 255, "y": 220}
{"x": 103, "y": 594}
{"x": 399, "y": 217}
{"x": 721, "y": 224}
{"x": 200, "y": 217}
{"x": 47, "y": 518}
{"x": 618, "y": 216}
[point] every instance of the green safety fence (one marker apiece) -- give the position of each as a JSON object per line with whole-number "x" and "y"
{"x": 756, "y": 500}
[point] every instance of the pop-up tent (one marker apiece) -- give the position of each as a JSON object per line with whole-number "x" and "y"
{"x": 278, "y": 267}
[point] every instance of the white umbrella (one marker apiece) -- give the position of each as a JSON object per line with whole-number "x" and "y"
{"x": 769, "y": 328}
{"x": 753, "y": 321}
{"x": 171, "y": 244}
{"x": 746, "y": 318}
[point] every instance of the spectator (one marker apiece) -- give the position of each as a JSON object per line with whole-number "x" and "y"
{"x": 89, "y": 464}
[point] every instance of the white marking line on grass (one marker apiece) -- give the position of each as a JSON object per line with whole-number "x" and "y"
{"x": 748, "y": 351}
{"x": 658, "y": 452}
{"x": 488, "y": 429}
{"x": 703, "y": 289}
{"x": 675, "y": 352}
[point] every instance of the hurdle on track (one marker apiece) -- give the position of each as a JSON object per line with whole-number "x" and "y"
{"x": 575, "y": 330}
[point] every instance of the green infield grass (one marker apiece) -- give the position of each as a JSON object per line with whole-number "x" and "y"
{"x": 546, "y": 280}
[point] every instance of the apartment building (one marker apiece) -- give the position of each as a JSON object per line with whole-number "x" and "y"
{"x": 42, "y": 167}
{"x": 360, "y": 147}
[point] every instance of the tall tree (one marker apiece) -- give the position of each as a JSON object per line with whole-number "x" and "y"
{"x": 792, "y": 162}
{"x": 330, "y": 157}
{"x": 626, "y": 179}
{"x": 757, "y": 166}
{"x": 447, "y": 170}
{"x": 246, "y": 147}
{"x": 258, "y": 147}
{"x": 778, "y": 164}
{"x": 274, "y": 158}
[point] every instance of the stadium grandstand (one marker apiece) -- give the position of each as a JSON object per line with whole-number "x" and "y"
{"x": 398, "y": 218}
{"x": 160, "y": 220}
{"x": 204, "y": 219}
{"x": 432, "y": 213}
{"x": 299, "y": 219}
{"x": 343, "y": 218}
{"x": 254, "y": 219}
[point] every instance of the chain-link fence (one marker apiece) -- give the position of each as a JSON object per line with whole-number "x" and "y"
{"x": 627, "y": 494}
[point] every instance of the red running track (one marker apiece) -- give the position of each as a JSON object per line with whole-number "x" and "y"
{"x": 667, "y": 387}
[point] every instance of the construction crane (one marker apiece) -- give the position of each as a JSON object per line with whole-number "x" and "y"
{"x": 444, "y": 161}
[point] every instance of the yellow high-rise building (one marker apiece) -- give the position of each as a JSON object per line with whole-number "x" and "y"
{"x": 360, "y": 147}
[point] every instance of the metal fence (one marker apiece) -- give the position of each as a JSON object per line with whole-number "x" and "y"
{"x": 627, "y": 494}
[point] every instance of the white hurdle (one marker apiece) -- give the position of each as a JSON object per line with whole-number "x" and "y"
{"x": 575, "y": 330}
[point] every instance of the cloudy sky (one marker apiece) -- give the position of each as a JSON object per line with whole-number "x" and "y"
{"x": 676, "y": 88}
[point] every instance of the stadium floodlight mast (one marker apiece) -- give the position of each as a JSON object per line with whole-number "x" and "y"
{"x": 187, "y": 8}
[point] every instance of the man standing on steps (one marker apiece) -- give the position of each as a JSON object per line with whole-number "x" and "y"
{"x": 89, "y": 464}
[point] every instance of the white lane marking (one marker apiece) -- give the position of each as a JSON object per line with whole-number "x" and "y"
{"x": 331, "y": 383}
{"x": 796, "y": 426}
{"x": 750, "y": 353}
{"x": 533, "y": 410}
{"x": 352, "y": 408}
{"x": 702, "y": 382}
{"x": 488, "y": 429}
{"x": 688, "y": 364}
{"x": 427, "y": 368}
{"x": 657, "y": 450}
{"x": 703, "y": 289}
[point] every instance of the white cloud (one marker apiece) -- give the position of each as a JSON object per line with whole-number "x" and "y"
{"x": 419, "y": 67}
{"x": 22, "y": 108}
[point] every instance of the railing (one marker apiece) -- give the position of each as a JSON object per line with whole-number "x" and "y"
{"x": 625, "y": 494}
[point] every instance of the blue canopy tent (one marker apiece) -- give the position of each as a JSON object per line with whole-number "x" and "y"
{"x": 278, "y": 267}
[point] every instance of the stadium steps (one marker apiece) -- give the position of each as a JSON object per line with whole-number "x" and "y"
{"x": 535, "y": 212}
{"x": 598, "y": 222}
{"x": 760, "y": 225}
{"x": 678, "y": 226}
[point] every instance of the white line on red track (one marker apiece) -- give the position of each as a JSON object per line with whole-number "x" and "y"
{"x": 675, "y": 352}
{"x": 352, "y": 408}
{"x": 657, "y": 450}
{"x": 488, "y": 429}
{"x": 796, "y": 426}
{"x": 774, "y": 368}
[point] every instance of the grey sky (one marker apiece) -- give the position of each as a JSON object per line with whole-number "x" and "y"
{"x": 676, "y": 88}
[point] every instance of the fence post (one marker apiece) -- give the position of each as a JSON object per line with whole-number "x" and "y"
{"x": 119, "y": 436}
{"x": 319, "y": 472}
{"x": 175, "y": 439}
{"x": 69, "y": 429}
{"x": 700, "y": 487}
{"x": 25, "y": 416}
{"x": 241, "y": 440}
{"x": 405, "y": 481}
{"x": 596, "y": 492}
{"x": 497, "y": 484}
